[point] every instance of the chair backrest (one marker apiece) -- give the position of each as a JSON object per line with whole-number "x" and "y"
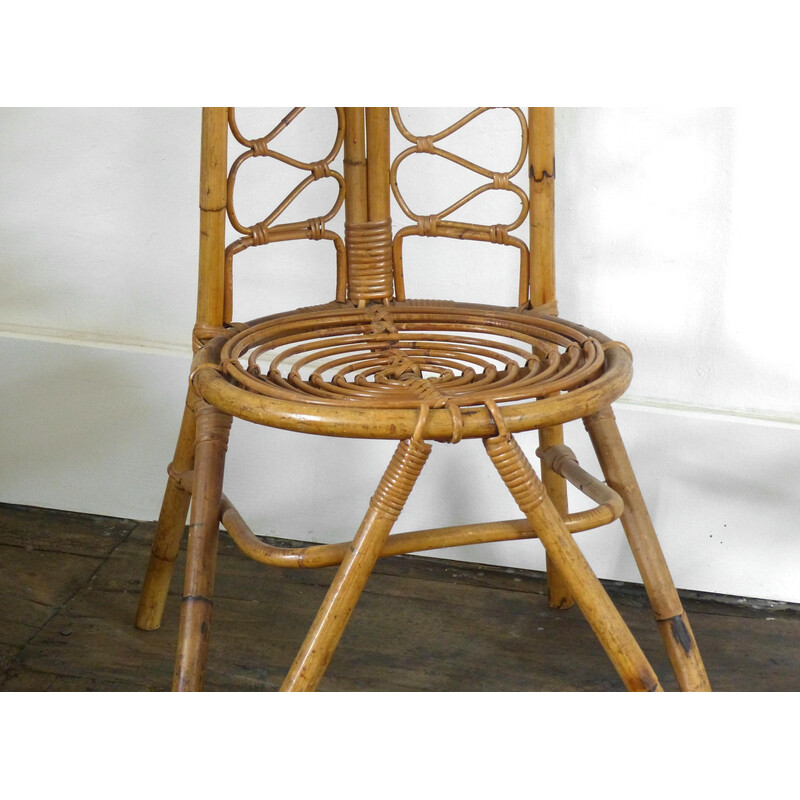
{"x": 369, "y": 259}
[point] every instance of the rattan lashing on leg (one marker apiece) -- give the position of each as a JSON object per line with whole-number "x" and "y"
{"x": 213, "y": 428}
{"x": 532, "y": 498}
{"x": 384, "y": 509}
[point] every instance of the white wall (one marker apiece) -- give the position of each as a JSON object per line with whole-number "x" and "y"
{"x": 675, "y": 234}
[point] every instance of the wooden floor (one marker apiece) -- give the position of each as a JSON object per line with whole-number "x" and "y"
{"x": 69, "y": 586}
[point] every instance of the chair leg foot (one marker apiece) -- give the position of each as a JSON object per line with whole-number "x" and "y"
{"x": 213, "y": 428}
{"x": 673, "y": 624}
{"x": 169, "y": 530}
{"x": 385, "y": 506}
{"x": 595, "y": 604}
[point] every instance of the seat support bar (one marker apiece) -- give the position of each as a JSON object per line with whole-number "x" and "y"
{"x": 559, "y": 459}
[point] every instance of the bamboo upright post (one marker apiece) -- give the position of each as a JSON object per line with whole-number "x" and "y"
{"x": 213, "y": 213}
{"x": 169, "y": 529}
{"x": 377, "y": 126}
{"x": 210, "y": 316}
{"x": 355, "y": 167}
{"x": 558, "y": 592}
{"x": 368, "y": 230}
{"x": 606, "y": 622}
{"x": 384, "y": 509}
{"x": 667, "y": 607}
{"x": 213, "y": 428}
{"x": 541, "y": 169}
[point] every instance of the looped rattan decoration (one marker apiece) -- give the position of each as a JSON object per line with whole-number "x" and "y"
{"x": 268, "y": 230}
{"x": 416, "y": 355}
{"x": 438, "y": 224}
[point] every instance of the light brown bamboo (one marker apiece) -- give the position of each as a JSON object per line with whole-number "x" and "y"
{"x": 355, "y": 167}
{"x": 327, "y": 555}
{"x": 377, "y": 128}
{"x": 387, "y": 422}
{"x": 558, "y": 593}
{"x": 201, "y": 556}
{"x": 213, "y": 210}
{"x": 561, "y": 460}
{"x": 541, "y": 155}
{"x": 673, "y": 623}
{"x": 383, "y": 354}
{"x": 601, "y": 614}
{"x": 384, "y": 508}
{"x": 169, "y": 529}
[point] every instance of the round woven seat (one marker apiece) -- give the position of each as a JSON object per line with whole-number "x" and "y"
{"x": 319, "y": 369}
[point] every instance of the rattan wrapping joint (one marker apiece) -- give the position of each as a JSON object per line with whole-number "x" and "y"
{"x": 400, "y": 477}
{"x": 516, "y": 471}
{"x": 369, "y": 260}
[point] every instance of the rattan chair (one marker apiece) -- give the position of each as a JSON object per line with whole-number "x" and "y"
{"x": 373, "y": 364}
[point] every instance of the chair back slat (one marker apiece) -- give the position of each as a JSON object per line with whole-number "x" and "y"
{"x": 369, "y": 258}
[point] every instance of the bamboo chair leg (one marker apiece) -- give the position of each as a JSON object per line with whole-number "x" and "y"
{"x": 213, "y": 428}
{"x": 558, "y": 593}
{"x": 672, "y": 620}
{"x": 169, "y": 530}
{"x": 385, "y": 506}
{"x": 601, "y": 614}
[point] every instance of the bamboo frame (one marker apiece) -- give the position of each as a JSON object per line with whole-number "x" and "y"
{"x": 542, "y": 172}
{"x": 374, "y": 364}
{"x": 561, "y": 461}
{"x": 213, "y": 211}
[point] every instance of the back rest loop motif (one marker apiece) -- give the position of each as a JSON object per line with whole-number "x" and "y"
{"x": 267, "y": 230}
{"x": 441, "y": 223}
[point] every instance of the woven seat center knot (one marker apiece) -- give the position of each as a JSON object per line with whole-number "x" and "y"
{"x": 407, "y": 354}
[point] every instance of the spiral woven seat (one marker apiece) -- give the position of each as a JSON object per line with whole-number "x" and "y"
{"x": 332, "y": 363}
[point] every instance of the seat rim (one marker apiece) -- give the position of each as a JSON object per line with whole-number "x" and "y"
{"x": 372, "y": 421}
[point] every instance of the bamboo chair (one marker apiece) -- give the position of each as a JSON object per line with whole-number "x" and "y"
{"x": 374, "y": 364}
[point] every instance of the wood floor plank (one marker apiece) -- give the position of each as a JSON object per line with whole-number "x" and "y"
{"x": 61, "y": 531}
{"x": 421, "y": 624}
{"x": 34, "y": 583}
